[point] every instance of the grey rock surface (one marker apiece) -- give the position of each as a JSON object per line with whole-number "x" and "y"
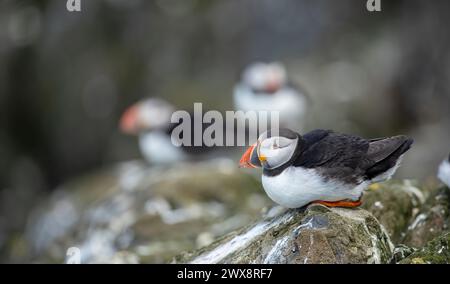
{"x": 316, "y": 234}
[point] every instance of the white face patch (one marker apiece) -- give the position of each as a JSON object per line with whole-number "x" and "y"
{"x": 254, "y": 75}
{"x": 154, "y": 114}
{"x": 277, "y": 73}
{"x": 260, "y": 75}
{"x": 276, "y": 151}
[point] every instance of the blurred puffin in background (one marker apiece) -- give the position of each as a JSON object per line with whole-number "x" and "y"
{"x": 265, "y": 87}
{"x": 149, "y": 119}
{"x": 444, "y": 171}
{"x": 322, "y": 166}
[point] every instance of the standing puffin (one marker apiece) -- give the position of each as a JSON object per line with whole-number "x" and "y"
{"x": 444, "y": 171}
{"x": 265, "y": 87}
{"x": 149, "y": 119}
{"x": 322, "y": 166}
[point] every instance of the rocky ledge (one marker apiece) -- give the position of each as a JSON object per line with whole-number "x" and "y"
{"x": 211, "y": 212}
{"x": 316, "y": 234}
{"x": 398, "y": 223}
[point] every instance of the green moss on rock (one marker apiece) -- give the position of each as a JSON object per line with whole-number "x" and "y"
{"x": 394, "y": 204}
{"x": 436, "y": 251}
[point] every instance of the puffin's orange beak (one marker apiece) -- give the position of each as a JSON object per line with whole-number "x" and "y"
{"x": 129, "y": 120}
{"x": 245, "y": 161}
{"x": 272, "y": 85}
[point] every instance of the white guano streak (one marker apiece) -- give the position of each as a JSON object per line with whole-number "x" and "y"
{"x": 239, "y": 241}
{"x": 276, "y": 252}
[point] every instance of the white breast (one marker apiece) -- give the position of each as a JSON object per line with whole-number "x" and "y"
{"x": 444, "y": 172}
{"x": 296, "y": 187}
{"x": 157, "y": 148}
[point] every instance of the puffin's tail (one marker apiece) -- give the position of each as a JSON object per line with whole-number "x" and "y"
{"x": 386, "y": 153}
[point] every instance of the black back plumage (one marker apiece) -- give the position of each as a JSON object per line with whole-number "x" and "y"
{"x": 350, "y": 157}
{"x": 328, "y": 149}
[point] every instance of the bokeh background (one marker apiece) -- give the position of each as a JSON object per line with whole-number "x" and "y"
{"x": 65, "y": 78}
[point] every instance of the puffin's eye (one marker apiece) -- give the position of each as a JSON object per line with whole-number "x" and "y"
{"x": 275, "y": 144}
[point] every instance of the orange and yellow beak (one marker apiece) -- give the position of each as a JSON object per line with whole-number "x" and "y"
{"x": 250, "y": 158}
{"x": 272, "y": 86}
{"x": 129, "y": 120}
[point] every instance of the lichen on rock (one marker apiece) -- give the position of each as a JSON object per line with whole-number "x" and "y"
{"x": 437, "y": 251}
{"x": 394, "y": 204}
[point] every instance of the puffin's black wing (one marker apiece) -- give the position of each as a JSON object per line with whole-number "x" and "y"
{"x": 351, "y": 157}
{"x": 384, "y": 153}
{"x": 381, "y": 148}
{"x": 324, "y": 148}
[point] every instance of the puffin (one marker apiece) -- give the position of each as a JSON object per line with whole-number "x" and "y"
{"x": 444, "y": 171}
{"x": 322, "y": 166}
{"x": 150, "y": 120}
{"x": 265, "y": 87}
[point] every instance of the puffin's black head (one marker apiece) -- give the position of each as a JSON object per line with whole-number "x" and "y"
{"x": 449, "y": 158}
{"x": 273, "y": 150}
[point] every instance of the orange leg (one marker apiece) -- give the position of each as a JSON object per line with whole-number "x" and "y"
{"x": 340, "y": 203}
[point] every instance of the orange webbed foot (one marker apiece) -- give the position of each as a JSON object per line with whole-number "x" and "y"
{"x": 340, "y": 203}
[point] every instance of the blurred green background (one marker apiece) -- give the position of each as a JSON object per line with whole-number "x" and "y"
{"x": 65, "y": 78}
